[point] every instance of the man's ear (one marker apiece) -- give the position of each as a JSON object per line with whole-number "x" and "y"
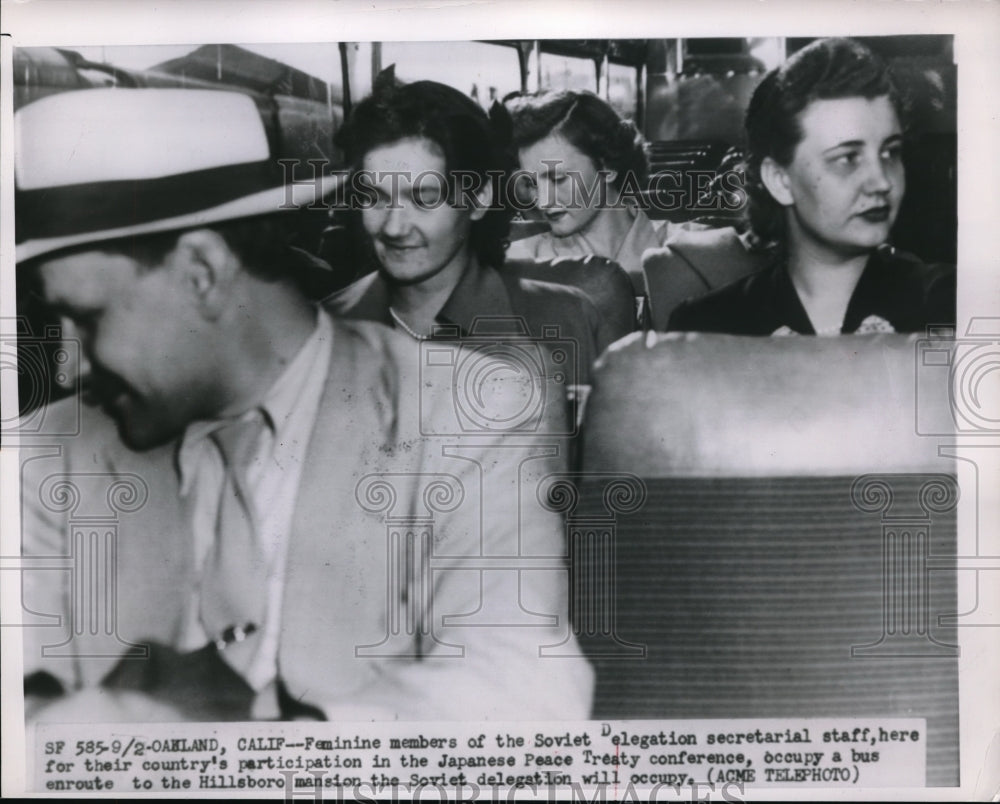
{"x": 207, "y": 267}
{"x": 775, "y": 179}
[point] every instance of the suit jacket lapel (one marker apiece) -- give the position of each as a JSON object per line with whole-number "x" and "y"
{"x": 336, "y": 580}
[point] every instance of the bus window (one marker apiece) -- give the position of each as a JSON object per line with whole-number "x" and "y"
{"x": 134, "y": 57}
{"x": 359, "y": 68}
{"x": 484, "y": 71}
{"x": 621, "y": 89}
{"x": 567, "y": 72}
{"x": 769, "y": 50}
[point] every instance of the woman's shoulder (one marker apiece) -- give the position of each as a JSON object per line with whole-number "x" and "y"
{"x": 918, "y": 293}
{"x": 910, "y": 267}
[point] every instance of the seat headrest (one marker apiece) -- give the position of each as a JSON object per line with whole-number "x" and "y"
{"x": 604, "y": 281}
{"x": 689, "y": 404}
{"x": 590, "y": 271}
{"x": 691, "y": 264}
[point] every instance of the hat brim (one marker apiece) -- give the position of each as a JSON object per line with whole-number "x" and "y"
{"x": 276, "y": 200}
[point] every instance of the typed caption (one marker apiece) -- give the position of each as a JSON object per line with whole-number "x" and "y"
{"x": 383, "y": 759}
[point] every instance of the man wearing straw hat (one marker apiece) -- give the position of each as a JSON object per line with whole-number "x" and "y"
{"x": 252, "y": 577}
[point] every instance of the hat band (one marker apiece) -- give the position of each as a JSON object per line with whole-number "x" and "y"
{"x": 102, "y": 206}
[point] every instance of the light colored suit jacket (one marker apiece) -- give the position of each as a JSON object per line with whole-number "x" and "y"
{"x": 424, "y": 580}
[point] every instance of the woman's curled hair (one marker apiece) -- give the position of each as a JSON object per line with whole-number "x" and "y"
{"x": 827, "y": 69}
{"x": 589, "y": 124}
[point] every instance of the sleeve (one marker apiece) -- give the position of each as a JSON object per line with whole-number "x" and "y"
{"x": 65, "y": 532}
{"x": 46, "y": 613}
{"x": 45, "y": 608}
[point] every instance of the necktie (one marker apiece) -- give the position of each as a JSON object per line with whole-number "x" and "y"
{"x": 234, "y": 579}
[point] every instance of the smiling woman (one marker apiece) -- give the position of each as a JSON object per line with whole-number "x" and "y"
{"x": 825, "y": 181}
{"x": 417, "y": 238}
{"x": 427, "y": 161}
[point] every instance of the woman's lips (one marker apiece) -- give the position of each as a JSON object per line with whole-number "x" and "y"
{"x": 875, "y": 214}
{"x": 400, "y": 248}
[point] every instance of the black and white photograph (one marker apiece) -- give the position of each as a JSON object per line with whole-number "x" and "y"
{"x": 467, "y": 402}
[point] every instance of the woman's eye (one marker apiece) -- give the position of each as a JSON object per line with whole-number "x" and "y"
{"x": 848, "y": 159}
{"x": 894, "y": 153}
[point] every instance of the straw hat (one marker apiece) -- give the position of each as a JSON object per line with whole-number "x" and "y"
{"x": 100, "y": 164}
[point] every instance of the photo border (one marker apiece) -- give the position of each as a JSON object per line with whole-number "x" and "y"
{"x": 977, "y": 54}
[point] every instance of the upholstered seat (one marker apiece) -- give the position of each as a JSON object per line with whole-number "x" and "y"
{"x": 604, "y": 281}
{"x": 781, "y": 534}
{"x": 692, "y": 263}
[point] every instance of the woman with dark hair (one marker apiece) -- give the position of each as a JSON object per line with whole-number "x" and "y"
{"x": 426, "y": 163}
{"x": 588, "y": 166}
{"x": 824, "y": 179}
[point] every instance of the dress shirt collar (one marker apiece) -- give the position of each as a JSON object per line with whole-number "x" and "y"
{"x": 480, "y": 294}
{"x": 481, "y": 291}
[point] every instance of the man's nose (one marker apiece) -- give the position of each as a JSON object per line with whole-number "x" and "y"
{"x": 72, "y": 366}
